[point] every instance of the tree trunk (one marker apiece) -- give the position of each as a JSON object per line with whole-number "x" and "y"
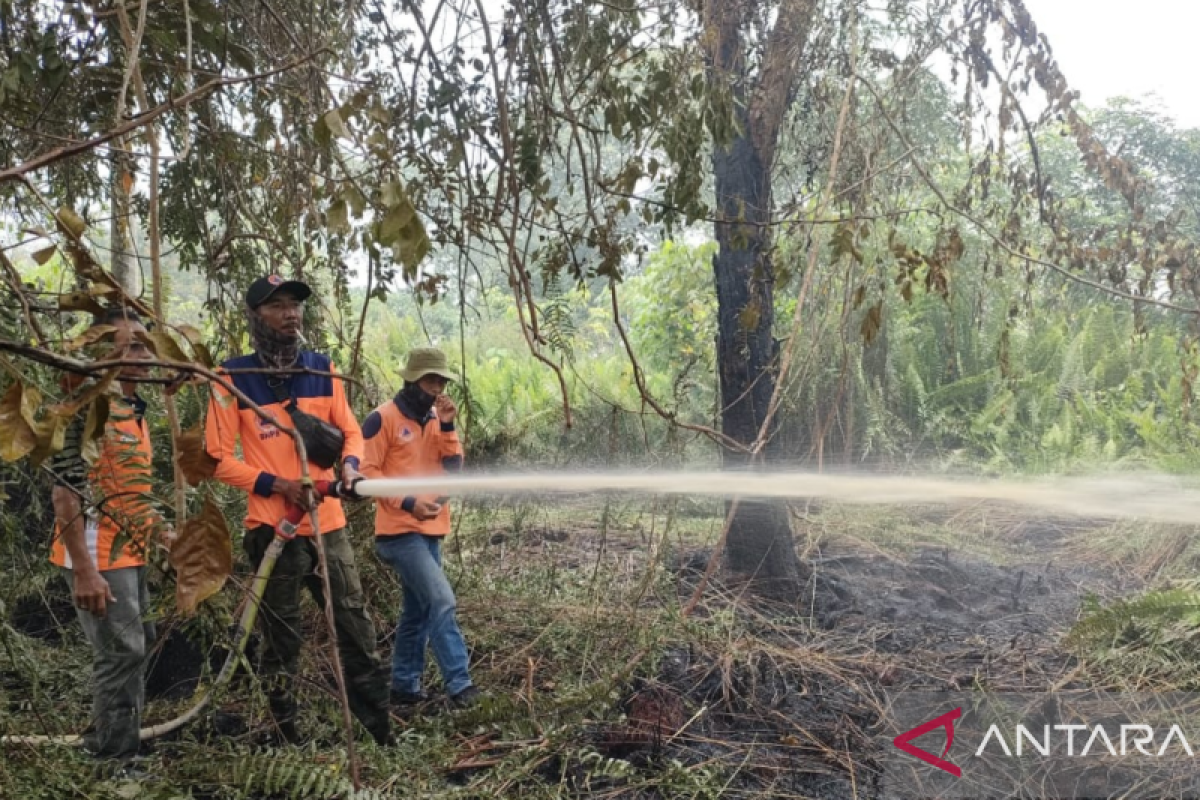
{"x": 760, "y": 538}
{"x": 760, "y": 542}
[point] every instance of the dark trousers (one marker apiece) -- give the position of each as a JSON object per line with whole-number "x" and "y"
{"x": 279, "y": 621}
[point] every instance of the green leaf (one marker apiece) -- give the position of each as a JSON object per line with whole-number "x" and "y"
{"x": 411, "y": 251}
{"x": 321, "y": 133}
{"x": 401, "y": 228}
{"x": 358, "y": 203}
{"x": 392, "y": 193}
{"x": 394, "y": 223}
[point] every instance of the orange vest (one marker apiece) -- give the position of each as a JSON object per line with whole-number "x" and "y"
{"x": 398, "y": 446}
{"x": 268, "y": 452}
{"x": 119, "y": 482}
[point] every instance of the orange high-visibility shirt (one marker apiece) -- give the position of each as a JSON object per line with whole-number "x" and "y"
{"x": 397, "y": 445}
{"x": 116, "y": 501}
{"x": 267, "y": 452}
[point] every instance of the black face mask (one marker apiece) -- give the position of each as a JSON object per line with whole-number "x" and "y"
{"x": 417, "y": 399}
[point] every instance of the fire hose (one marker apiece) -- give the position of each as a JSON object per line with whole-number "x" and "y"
{"x": 285, "y": 531}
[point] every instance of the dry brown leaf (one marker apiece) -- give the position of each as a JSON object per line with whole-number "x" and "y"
{"x": 79, "y": 301}
{"x": 90, "y": 336}
{"x": 202, "y": 557}
{"x": 164, "y": 346}
{"x": 194, "y": 460}
{"x": 52, "y": 433}
{"x": 93, "y": 429}
{"x": 71, "y": 222}
{"x": 45, "y": 254}
{"x": 17, "y": 434}
{"x": 196, "y": 340}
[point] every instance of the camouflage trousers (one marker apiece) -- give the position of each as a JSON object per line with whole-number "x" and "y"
{"x": 280, "y": 624}
{"x": 119, "y": 640}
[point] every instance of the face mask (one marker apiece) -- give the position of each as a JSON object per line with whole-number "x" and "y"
{"x": 275, "y": 349}
{"x": 418, "y": 399}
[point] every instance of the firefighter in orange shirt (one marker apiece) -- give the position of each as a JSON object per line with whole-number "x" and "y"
{"x": 413, "y": 435}
{"x": 97, "y": 508}
{"x": 269, "y": 470}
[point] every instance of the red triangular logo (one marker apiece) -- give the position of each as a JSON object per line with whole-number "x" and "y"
{"x": 904, "y": 741}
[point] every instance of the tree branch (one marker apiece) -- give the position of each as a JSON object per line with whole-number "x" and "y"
{"x": 998, "y": 240}
{"x": 781, "y": 65}
{"x": 70, "y": 151}
{"x": 640, "y": 380}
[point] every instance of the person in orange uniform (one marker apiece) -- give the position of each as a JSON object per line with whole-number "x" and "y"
{"x": 269, "y": 470}
{"x": 104, "y": 519}
{"x": 413, "y": 435}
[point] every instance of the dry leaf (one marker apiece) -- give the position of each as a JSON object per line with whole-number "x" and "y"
{"x": 17, "y": 434}
{"x": 71, "y": 222}
{"x": 196, "y": 340}
{"x": 202, "y": 556}
{"x": 52, "y": 433}
{"x": 93, "y": 429}
{"x": 79, "y": 301}
{"x": 45, "y": 254}
{"x": 164, "y": 346}
{"x": 90, "y": 336}
{"x": 194, "y": 460}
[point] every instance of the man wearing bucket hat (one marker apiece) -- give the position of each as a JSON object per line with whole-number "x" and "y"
{"x": 296, "y": 386}
{"x": 413, "y": 435}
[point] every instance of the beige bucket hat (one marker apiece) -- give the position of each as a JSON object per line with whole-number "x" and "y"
{"x": 424, "y": 361}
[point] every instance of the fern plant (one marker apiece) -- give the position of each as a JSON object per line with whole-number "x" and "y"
{"x": 294, "y": 776}
{"x": 1154, "y": 637}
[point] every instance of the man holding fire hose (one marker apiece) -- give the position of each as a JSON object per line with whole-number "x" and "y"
{"x": 296, "y": 387}
{"x": 411, "y": 436}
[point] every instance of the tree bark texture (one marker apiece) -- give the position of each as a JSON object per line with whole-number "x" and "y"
{"x": 760, "y": 543}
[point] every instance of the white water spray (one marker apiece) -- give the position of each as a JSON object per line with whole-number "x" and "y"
{"x": 1159, "y": 498}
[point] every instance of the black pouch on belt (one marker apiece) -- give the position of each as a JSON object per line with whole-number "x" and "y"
{"x": 323, "y": 440}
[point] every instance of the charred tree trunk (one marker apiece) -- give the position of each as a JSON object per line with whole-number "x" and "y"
{"x": 760, "y": 541}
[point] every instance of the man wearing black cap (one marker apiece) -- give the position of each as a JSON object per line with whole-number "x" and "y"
{"x": 270, "y": 471}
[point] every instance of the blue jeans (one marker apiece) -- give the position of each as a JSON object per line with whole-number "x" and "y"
{"x": 428, "y": 615}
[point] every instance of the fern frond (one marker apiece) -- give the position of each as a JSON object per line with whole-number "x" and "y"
{"x": 1137, "y": 619}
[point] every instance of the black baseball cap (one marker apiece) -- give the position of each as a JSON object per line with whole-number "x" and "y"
{"x": 262, "y": 289}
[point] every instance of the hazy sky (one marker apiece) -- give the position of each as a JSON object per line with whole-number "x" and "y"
{"x": 1111, "y": 48}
